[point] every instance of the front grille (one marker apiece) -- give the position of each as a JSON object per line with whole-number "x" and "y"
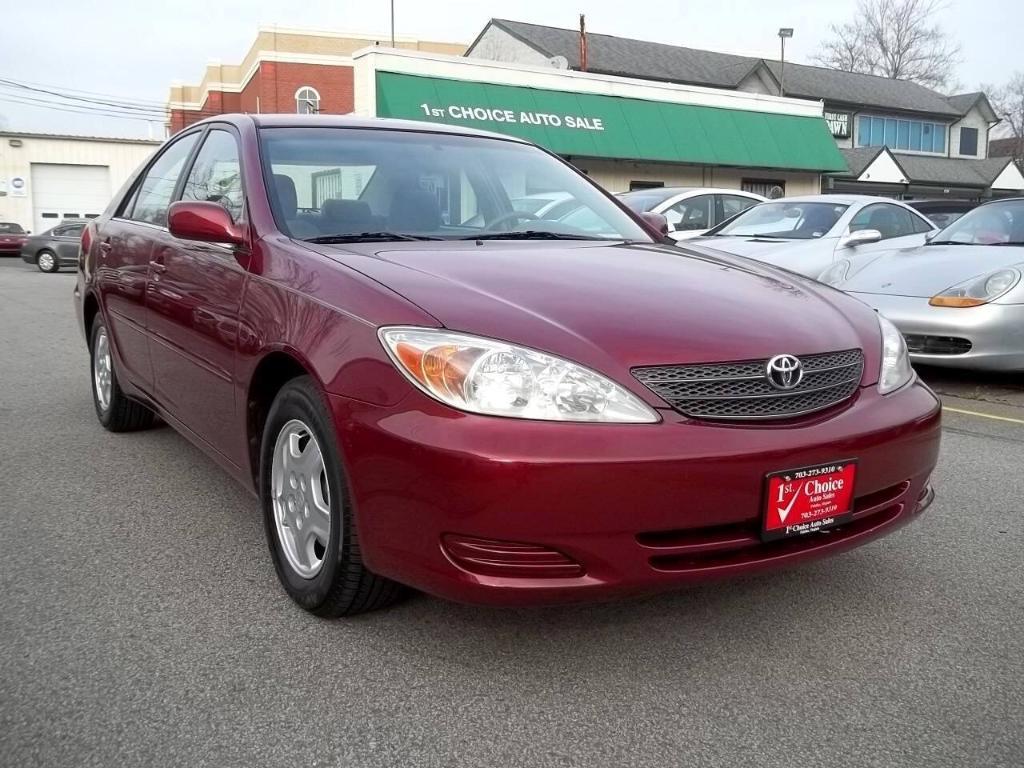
{"x": 937, "y": 345}
{"x": 741, "y": 390}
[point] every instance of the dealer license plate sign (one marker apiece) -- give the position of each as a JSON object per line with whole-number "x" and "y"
{"x": 810, "y": 499}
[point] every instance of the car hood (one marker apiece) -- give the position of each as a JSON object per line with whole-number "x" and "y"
{"x": 929, "y": 269}
{"x": 612, "y": 307}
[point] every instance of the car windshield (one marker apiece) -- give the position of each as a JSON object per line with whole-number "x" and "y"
{"x": 999, "y": 223}
{"x": 343, "y": 183}
{"x": 7, "y": 228}
{"x": 784, "y": 219}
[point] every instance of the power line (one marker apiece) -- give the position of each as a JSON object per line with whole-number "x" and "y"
{"x": 113, "y": 110}
{"x": 80, "y": 111}
{"x": 145, "y": 102}
{"x": 58, "y": 94}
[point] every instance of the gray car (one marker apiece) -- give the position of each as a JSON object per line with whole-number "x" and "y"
{"x": 812, "y": 233}
{"x": 959, "y": 300}
{"x": 54, "y": 248}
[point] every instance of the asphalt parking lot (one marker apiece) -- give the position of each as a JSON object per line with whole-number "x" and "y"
{"x": 141, "y": 622}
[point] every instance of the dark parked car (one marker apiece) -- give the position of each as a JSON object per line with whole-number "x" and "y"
{"x": 424, "y": 386}
{"x": 12, "y": 237}
{"x": 57, "y": 247}
{"x": 942, "y": 213}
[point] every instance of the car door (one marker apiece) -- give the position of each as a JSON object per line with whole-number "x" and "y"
{"x": 899, "y": 227}
{"x": 66, "y": 241}
{"x": 194, "y": 293}
{"x": 124, "y": 244}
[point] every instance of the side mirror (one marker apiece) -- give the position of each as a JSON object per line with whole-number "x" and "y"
{"x": 929, "y": 236}
{"x": 206, "y": 222}
{"x": 860, "y": 237}
{"x": 655, "y": 221}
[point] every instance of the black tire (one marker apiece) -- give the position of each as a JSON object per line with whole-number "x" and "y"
{"x": 343, "y": 586}
{"x": 120, "y": 414}
{"x": 54, "y": 262}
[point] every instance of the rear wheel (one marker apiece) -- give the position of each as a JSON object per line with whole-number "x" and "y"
{"x": 307, "y": 513}
{"x": 47, "y": 261}
{"x": 115, "y": 411}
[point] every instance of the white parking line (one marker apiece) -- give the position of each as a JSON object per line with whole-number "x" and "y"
{"x": 983, "y": 415}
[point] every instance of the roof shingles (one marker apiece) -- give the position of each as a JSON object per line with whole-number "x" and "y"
{"x": 658, "y": 61}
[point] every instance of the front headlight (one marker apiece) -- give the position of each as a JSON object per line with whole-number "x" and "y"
{"x": 977, "y": 290}
{"x": 835, "y": 274}
{"x": 499, "y": 379}
{"x": 896, "y": 370}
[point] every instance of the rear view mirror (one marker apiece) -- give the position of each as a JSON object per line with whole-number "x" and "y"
{"x": 655, "y": 221}
{"x": 860, "y": 237}
{"x": 203, "y": 221}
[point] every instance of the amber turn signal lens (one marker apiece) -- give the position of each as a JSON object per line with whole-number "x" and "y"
{"x": 955, "y": 301}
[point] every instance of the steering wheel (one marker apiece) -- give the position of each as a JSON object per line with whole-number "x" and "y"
{"x": 510, "y": 216}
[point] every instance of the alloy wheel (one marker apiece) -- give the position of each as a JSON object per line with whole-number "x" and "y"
{"x": 102, "y": 369}
{"x": 301, "y": 498}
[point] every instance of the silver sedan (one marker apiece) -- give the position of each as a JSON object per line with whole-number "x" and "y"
{"x": 959, "y": 300}
{"x": 812, "y": 233}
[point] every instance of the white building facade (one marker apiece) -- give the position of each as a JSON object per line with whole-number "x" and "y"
{"x": 45, "y": 178}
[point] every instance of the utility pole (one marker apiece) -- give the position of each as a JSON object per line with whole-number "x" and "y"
{"x": 784, "y": 32}
{"x": 392, "y": 23}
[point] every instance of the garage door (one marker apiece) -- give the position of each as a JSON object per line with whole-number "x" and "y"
{"x": 61, "y": 191}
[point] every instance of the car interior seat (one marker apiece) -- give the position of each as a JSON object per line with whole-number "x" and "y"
{"x": 287, "y": 204}
{"x": 414, "y": 210}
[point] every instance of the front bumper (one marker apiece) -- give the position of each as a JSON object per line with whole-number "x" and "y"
{"x": 640, "y": 507}
{"x": 995, "y": 331}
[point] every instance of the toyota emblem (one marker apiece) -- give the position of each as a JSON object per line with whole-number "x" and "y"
{"x": 784, "y": 371}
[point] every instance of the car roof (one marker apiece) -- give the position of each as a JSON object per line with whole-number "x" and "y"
{"x": 352, "y": 121}
{"x": 837, "y": 199}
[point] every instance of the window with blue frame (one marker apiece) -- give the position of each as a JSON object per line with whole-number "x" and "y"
{"x": 913, "y": 135}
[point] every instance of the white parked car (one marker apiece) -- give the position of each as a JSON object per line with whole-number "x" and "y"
{"x": 820, "y": 235}
{"x": 545, "y": 205}
{"x": 690, "y": 211}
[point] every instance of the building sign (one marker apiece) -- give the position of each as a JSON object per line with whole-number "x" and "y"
{"x": 457, "y": 112}
{"x": 596, "y": 125}
{"x": 18, "y": 186}
{"x": 838, "y": 123}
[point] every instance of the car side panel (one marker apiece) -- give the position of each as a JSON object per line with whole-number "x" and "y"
{"x": 121, "y": 266}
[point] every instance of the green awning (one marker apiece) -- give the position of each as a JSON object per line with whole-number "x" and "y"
{"x": 590, "y": 125}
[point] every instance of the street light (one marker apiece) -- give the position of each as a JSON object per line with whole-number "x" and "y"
{"x": 784, "y": 32}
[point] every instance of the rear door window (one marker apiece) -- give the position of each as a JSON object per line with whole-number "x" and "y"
{"x": 154, "y": 193}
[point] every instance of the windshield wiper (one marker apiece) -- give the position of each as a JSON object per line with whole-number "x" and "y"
{"x": 946, "y": 242}
{"x": 533, "y": 234}
{"x": 1010, "y": 242}
{"x": 367, "y": 237}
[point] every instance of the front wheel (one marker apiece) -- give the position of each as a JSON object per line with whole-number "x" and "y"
{"x": 307, "y": 512}
{"x": 115, "y": 411}
{"x": 47, "y": 261}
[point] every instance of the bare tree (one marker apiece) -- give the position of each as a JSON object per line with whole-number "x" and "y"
{"x": 1008, "y": 102}
{"x": 896, "y": 39}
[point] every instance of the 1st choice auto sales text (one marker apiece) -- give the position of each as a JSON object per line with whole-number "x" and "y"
{"x": 455, "y": 112}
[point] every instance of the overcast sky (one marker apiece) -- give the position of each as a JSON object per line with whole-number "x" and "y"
{"x": 132, "y": 49}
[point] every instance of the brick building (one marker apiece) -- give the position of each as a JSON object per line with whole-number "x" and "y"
{"x": 285, "y": 70}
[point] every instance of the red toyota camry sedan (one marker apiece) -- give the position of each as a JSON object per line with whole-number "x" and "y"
{"x": 425, "y": 386}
